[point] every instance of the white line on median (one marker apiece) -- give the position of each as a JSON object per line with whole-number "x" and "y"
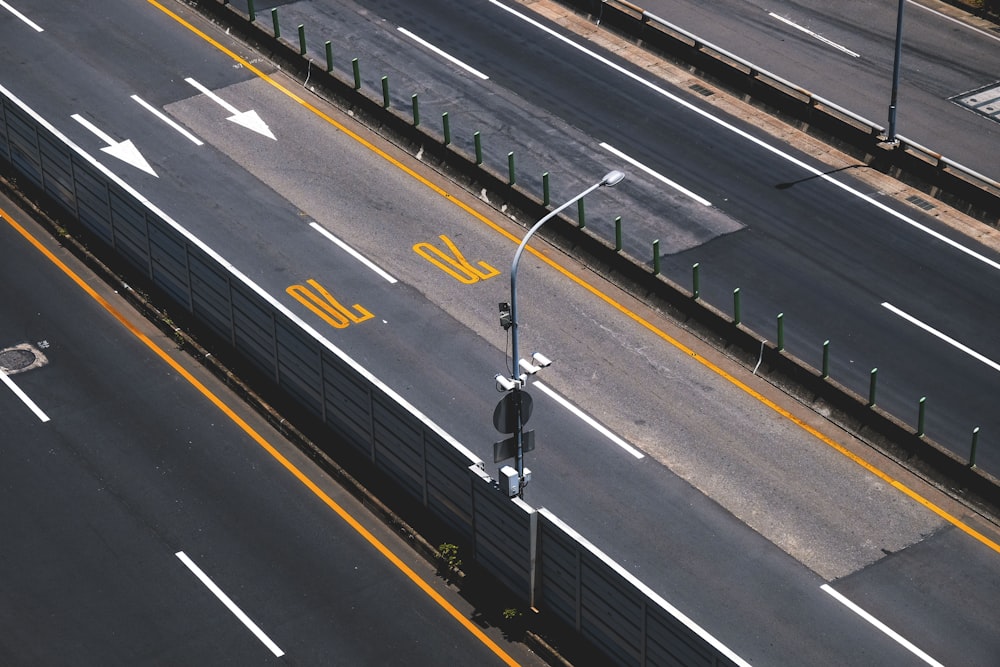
{"x": 955, "y": 20}
{"x": 655, "y": 174}
{"x": 34, "y": 26}
{"x": 815, "y": 35}
{"x": 752, "y": 139}
{"x": 166, "y": 119}
{"x": 352, "y": 252}
{"x": 892, "y": 634}
{"x": 24, "y": 397}
{"x": 237, "y": 612}
{"x": 589, "y": 420}
{"x": 934, "y": 332}
{"x": 449, "y": 58}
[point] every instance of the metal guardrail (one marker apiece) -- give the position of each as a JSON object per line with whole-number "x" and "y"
{"x": 814, "y": 103}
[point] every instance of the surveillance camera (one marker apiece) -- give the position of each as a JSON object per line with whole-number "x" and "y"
{"x": 505, "y": 383}
{"x": 540, "y": 360}
{"x": 528, "y": 367}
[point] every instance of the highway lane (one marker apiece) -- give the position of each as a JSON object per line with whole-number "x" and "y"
{"x": 415, "y": 317}
{"x": 137, "y": 504}
{"x": 792, "y": 242}
{"x": 819, "y": 46}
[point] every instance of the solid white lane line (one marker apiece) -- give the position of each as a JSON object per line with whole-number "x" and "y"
{"x": 237, "y": 612}
{"x": 752, "y": 139}
{"x": 34, "y": 26}
{"x": 948, "y": 339}
{"x": 446, "y": 56}
{"x": 166, "y": 119}
{"x": 814, "y": 35}
{"x": 658, "y": 176}
{"x": 892, "y": 634}
{"x": 352, "y": 252}
{"x": 24, "y": 397}
{"x": 589, "y": 420}
{"x": 955, "y": 20}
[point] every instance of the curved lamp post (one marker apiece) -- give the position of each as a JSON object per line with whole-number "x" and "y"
{"x": 610, "y": 179}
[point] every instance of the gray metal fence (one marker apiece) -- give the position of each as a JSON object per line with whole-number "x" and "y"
{"x": 531, "y": 552}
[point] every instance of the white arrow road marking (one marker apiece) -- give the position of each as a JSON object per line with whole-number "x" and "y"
{"x": 123, "y": 150}
{"x": 248, "y": 119}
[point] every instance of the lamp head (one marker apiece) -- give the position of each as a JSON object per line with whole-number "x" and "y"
{"x": 613, "y": 177}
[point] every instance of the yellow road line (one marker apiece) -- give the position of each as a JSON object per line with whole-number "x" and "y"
{"x": 267, "y": 446}
{"x": 593, "y": 290}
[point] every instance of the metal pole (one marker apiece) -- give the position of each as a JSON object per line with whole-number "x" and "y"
{"x": 611, "y": 178}
{"x": 891, "y": 133}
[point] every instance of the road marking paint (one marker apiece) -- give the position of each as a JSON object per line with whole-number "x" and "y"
{"x": 955, "y": 20}
{"x": 351, "y": 251}
{"x": 304, "y": 479}
{"x": 230, "y": 605}
{"x": 23, "y": 396}
{"x": 814, "y": 35}
{"x": 655, "y": 174}
{"x": 902, "y": 488}
{"x": 446, "y": 56}
{"x": 248, "y": 119}
{"x": 34, "y": 26}
{"x": 934, "y": 332}
{"x": 168, "y": 120}
{"x": 455, "y": 264}
{"x": 754, "y": 140}
{"x": 589, "y": 420}
{"x": 123, "y": 150}
{"x": 892, "y": 634}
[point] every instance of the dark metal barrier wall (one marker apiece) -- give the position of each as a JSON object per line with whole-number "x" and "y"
{"x": 532, "y": 557}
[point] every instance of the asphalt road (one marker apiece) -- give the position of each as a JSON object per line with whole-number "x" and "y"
{"x": 132, "y": 503}
{"x": 252, "y": 198}
{"x": 820, "y": 46}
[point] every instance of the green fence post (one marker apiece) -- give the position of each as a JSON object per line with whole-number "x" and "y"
{"x": 920, "y": 416}
{"x": 545, "y": 189}
{"x": 580, "y": 215}
{"x": 871, "y": 388}
{"x": 274, "y": 21}
{"x": 447, "y": 128}
{"x": 479, "y": 147}
{"x": 329, "y": 56}
{"x": 656, "y": 257}
{"x": 356, "y": 66}
{"x": 695, "y": 280}
{"x": 975, "y": 443}
{"x": 302, "y": 40}
{"x": 781, "y": 332}
{"x": 250, "y": 11}
{"x": 618, "y": 234}
{"x": 385, "y": 92}
{"x": 510, "y": 168}
{"x": 416, "y": 110}
{"x": 736, "y": 306}
{"x": 826, "y": 359}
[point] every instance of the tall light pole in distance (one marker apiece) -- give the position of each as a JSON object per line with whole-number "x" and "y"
{"x": 509, "y": 321}
{"x": 890, "y": 136}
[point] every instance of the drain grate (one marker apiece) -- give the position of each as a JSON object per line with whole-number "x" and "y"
{"x": 702, "y": 90}
{"x": 920, "y": 202}
{"x": 985, "y": 101}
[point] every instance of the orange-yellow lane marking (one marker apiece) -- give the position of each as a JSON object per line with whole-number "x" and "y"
{"x": 267, "y": 446}
{"x": 593, "y": 290}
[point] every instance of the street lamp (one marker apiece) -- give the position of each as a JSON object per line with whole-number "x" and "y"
{"x": 891, "y": 133}
{"x": 508, "y": 320}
